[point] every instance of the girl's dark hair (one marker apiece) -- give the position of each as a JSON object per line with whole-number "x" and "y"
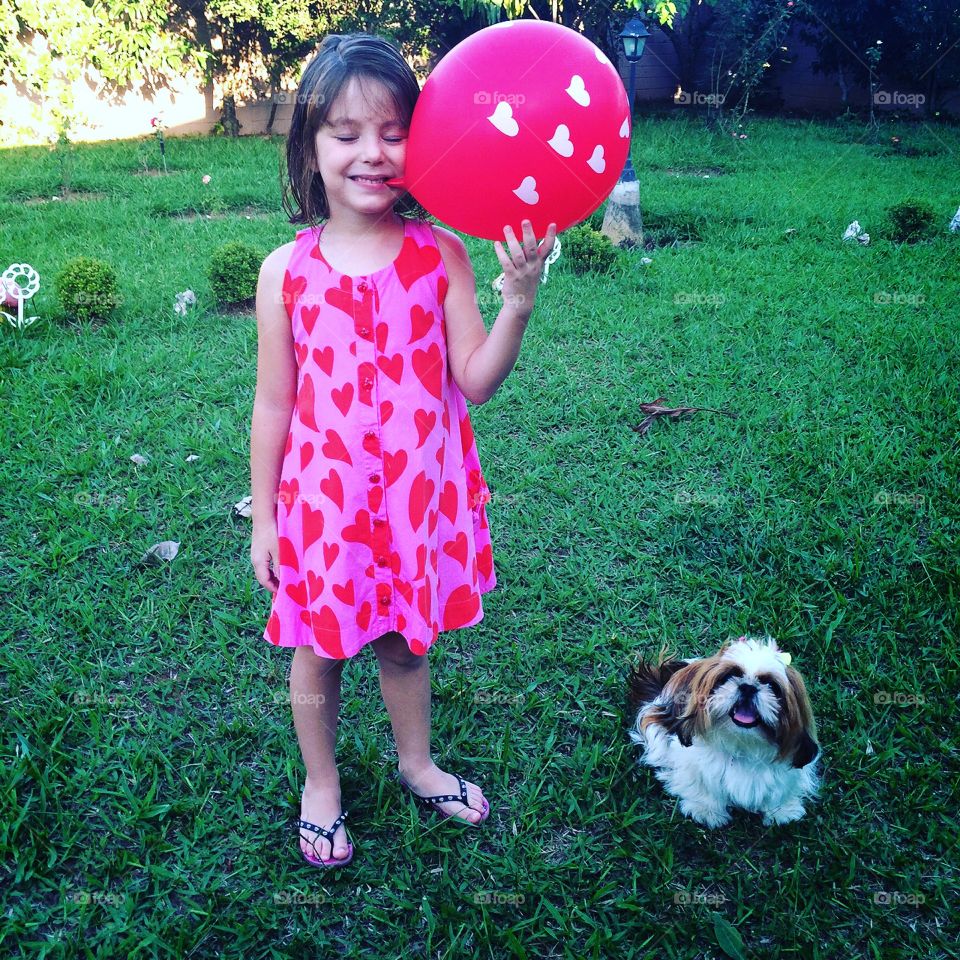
{"x": 340, "y": 58}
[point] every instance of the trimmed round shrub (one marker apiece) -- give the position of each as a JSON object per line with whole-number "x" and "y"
{"x": 910, "y": 220}
{"x": 234, "y": 270}
{"x": 87, "y": 289}
{"x": 585, "y": 250}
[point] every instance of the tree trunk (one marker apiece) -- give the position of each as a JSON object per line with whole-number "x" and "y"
{"x": 231, "y": 125}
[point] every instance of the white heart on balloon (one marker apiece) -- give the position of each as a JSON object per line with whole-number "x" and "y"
{"x": 625, "y": 129}
{"x": 596, "y": 162}
{"x": 560, "y": 141}
{"x": 578, "y": 91}
{"x": 502, "y": 119}
{"x": 527, "y": 191}
{"x": 601, "y": 56}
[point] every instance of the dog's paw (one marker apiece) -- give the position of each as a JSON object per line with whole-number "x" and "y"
{"x": 785, "y": 814}
{"x": 706, "y": 815}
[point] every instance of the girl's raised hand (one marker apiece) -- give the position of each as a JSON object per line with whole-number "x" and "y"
{"x": 523, "y": 266}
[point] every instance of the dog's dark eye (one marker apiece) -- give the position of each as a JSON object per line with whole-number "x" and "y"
{"x": 727, "y": 675}
{"x": 773, "y": 684}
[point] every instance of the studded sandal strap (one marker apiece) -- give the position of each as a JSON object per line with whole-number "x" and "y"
{"x": 446, "y": 798}
{"x": 328, "y": 834}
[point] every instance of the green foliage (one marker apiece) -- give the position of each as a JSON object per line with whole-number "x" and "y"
{"x": 88, "y": 289}
{"x": 234, "y": 269}
{"x": 910, "y": 220}
{"x": 585, "y": 250}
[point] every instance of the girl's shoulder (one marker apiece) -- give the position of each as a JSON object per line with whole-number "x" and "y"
{"x": 276, "y": 261}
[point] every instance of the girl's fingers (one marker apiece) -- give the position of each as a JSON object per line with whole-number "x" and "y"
{"x": 505, "y": 261}
{"x": 516, "y": 252}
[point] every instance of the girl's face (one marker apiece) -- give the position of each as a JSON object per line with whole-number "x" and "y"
{"x": 362, "y": 143}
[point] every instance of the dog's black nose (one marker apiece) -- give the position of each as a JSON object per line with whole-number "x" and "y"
{"x": 747, "y": 689}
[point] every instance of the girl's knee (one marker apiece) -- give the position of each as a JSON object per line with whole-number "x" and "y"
{"x": 392, "y": 650}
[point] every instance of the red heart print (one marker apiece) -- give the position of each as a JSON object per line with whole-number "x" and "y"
{"x": 382, "y": 331}
{"x": 314, "y": 585}
{"x": 462, "y": 606}
{"x": 394, "y": 464}
{"x": 449, "y": 499}
{"x": 391, "y": 366}
{"x": 306, "y": 454}
{"x": 330, "y": 551}
{"x": 432, "y": 519}
{"x": 342, "y": 297}
{"x": 375, "y": 498}
{"x": 312, "y": 525}
{"x": 333, "y": 488}
{"x": 424, "y": 603}
{"x": 405, "y": 590}
{"x": 292, "y": 288}
{"x": 335, "y": 449}
{"x": 324, "y": 359}
{"x": 425, "y": 422}
{"x": 297, "y": 592}
{"x": 306, "y": 403}
{"x": 428, "y": 366}
{"x": 288, "y": 553}
{"x": 420, "y": 322}
{"x": 371, "y": 443}
{"x": 273, "y": 628}
{"x": 466, "y": 434}
{"x": 288, "y": 446}
{"x": 288, "y": 492}
{"x": 386, "y": 408}
{"x": 301, "y": 350}
{"x": 353, "y": 347}
{"x": 442, "y": 285}
{"x": 485, "y": 561}
{"x": 421, "y": 494}
{"x": 359, "y": 531}
{"x": 326, "y": 631}
{"x": 344, "y": 592}
{"x": 343, "y": 397}
{"x": 445, "y": 419}
{"x": 415, "y": 262}
{"x": 457, "y": 549}
{"x": 363, "y": 615}
{"x": 308, "y": 317}
{"x": 421, "y": 561}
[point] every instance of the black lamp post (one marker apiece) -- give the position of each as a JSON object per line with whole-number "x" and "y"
{"x": 633, "y": 37}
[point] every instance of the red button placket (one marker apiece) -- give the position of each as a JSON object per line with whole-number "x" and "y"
{"x": 367, "y": 393}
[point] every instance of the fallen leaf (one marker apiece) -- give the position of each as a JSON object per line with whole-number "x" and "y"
{"x": 656, "y": 409}
{"x": 165, "y": 550}
{"x": 242, "y": 508}
{"x": 139, "y": 459}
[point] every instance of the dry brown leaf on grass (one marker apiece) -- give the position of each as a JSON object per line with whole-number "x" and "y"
{"x": 656, "y": 409}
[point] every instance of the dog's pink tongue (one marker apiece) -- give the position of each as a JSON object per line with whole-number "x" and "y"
{"x": 745, "y": 716}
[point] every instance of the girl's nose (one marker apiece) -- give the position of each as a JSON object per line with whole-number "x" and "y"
{"x": 371, "y": 148}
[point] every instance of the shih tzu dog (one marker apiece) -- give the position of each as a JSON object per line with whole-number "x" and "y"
{"x": 734, "y": 729}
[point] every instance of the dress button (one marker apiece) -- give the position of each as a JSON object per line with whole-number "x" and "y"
{"x": 362, "y": 287}
{"x": 379, "y": 521}
{"x": 374, "y": 477}
{"x": 384, "y": 599}
{"x": 381, "y": 561}
{"x": 369, "y": 435}
{"x": 367, "y": 383}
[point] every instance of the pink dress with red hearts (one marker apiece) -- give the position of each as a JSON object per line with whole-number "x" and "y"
{"x": 381, "y": 513}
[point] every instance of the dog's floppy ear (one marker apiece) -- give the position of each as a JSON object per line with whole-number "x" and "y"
{"x": 806, "y": 752}
{"x": 797, "y": 729}
{"x": 678, "y": 713}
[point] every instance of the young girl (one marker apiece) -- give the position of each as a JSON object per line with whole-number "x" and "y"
{"x": 369, "y": 522}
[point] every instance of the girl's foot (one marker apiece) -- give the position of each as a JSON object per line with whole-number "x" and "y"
{"x": 321, "y": 805}
{"x": 431, "y": 781}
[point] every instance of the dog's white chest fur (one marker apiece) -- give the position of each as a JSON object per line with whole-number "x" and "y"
{"x": 708, "y": 779}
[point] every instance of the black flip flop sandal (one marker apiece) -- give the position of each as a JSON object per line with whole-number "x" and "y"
{"x": 434, "y": 802}
{"x": 328, "y": 835}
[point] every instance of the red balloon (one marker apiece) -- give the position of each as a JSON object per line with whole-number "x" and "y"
{"x": 522, "y": 120}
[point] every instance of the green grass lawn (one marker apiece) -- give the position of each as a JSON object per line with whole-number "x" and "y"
{"x": 151, "y": 773}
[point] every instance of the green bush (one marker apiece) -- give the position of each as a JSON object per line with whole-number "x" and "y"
{"x": 910, "y": 220}
{"x": 585, "y": 250}
{"x": 234, "y": 269}
{"x": 88, "y": 289}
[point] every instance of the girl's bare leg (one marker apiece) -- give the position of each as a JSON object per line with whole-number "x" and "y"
{"x": 315, "y": 700}
{"x": 405, "y": 685}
